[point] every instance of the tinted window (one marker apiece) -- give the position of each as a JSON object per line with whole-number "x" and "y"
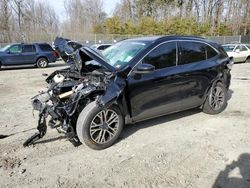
{"x": 163, "y": 56}
{"x": 210, "y": 52}
{"x": 29, "y": 48}
{"x": 192, "y": 52}
{"x": 101, "y": 48}
{"x": 45, "y": 47}
{"x": 15, "y": 49}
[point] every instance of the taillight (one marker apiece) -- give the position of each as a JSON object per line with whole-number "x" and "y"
{"x": 54, "y": 53}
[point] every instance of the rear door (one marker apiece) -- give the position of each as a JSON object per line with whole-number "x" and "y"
{"x": 158, "y": 92}
{"x": 28, "y": 54}
{"x": 198, "y": 68}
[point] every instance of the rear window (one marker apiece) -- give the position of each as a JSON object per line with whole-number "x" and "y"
{"x": 45, "y": 47}
{"x": 228, "y": 48}
{"x": 103, "y": 47}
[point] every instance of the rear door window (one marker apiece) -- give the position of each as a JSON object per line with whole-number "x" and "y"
{"x": 163, "y": 56}
{"x": 45, "y": 47}
{"x": 29, "y": 48}
{"x": 192, "y": 52}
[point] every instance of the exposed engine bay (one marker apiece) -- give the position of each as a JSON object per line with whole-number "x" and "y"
{"x": 71, "y": 89}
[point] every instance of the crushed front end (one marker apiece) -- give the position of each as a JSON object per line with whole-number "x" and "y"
{"x": 69, "y": 91}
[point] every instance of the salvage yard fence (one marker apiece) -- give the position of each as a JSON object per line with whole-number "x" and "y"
{"x": 90, "y": 39}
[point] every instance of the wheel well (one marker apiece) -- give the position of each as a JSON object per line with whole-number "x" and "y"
{"x": 208, "y": 89}
{"x": 41, "y": 58}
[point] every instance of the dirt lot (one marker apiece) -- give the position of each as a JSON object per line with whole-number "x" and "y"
{"x": 188, "y": 149}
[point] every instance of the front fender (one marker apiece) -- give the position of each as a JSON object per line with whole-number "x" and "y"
{"x": 113, "y": 94}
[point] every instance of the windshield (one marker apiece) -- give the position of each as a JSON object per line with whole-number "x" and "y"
{"x": 4, "y": 48}
{"x": 229, "y": 48}
{"x": 121, "y": 53}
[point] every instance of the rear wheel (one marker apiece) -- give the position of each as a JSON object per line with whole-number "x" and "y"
{"x": 42, "y": 63}
{"x": 247, "y": 60}
{"x": 216, "y": 101}
{"x": 99, "y": 128}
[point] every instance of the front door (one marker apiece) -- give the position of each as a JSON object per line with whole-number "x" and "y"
{"x": 156, "y": 93}
{"x": 13, "y": 55}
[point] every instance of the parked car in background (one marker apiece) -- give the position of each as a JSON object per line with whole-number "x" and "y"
{"x": 239, "y": 52}
{"x": 39, "y": 54}
{"x": 100, "y": 47}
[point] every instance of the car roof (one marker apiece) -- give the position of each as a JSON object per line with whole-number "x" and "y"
{"x": 171, "y": 37}
{"x": 28, "y": 43}
{"x": 101, "y": 44}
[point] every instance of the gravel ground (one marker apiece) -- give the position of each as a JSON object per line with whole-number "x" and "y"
{"x": 187, "y": 149}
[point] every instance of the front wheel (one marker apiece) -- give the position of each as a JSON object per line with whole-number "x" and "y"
{"x": 99, "y": 128}
{"x": 216, "y": 101}
{"x": 42, "y": 63}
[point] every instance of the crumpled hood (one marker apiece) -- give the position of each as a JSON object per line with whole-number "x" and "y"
{"x": 77, "y": 53}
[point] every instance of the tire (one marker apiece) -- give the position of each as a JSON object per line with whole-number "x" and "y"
{"x": 42, "y": 63}
{"x": 247, "y": 60}
{"x": 216, "y": 100}
{"x": 93, "y": 132}
{"x": 0, "y": 65}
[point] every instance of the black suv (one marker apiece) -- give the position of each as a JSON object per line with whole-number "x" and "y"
{"x": 39, "y": 54}
{"x": 131, "y": 81}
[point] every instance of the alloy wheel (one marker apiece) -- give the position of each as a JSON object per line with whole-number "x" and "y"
{"x": 104, "y": 126}
{"x": 42, "y": 63}
{"x": 217, "y": 98}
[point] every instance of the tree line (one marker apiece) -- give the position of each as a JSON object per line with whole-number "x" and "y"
{"x": 31, "y": 20}
{"x": 185, "y": 17}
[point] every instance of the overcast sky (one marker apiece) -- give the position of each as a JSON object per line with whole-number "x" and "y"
{"x": 58, "y": 5}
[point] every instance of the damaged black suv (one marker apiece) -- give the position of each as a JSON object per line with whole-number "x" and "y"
{"x": 131, "y": 81}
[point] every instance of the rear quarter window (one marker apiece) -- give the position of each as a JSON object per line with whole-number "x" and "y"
{"x": 45, "y": 47}
{"x": 210, "y": 52}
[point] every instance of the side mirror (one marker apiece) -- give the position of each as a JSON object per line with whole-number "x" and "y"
{"x": 237, "y": 50}
{"x": 144, "y": 69}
